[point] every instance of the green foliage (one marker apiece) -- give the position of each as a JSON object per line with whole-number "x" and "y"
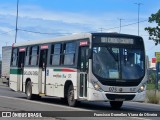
{"x": 150, "y": 86}
{"x": 153, "y": 98}
{"x": 154, "y": 32}
{"x": 152, "y": 76}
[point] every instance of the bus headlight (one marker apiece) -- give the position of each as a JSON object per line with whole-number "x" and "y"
{"x": 142, "y": 88}
{"x": 97, "y": 87}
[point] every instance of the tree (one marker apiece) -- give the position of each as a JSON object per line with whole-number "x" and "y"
{"x": 154, "y": 32}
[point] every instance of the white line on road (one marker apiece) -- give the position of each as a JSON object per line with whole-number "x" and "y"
{"x": 140, "y": 118}
{"x": 62, "y": 106}
{"x": 144, "y": 103}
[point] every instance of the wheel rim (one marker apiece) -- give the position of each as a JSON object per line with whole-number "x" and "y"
{"x": 28, "y": 91}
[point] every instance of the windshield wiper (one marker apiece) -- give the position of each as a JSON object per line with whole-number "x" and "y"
{"x": 112, "y": 53}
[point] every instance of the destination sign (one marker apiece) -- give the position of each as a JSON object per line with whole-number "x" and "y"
{"x": 22, "y": 49}
{"x": 115, "y": 40}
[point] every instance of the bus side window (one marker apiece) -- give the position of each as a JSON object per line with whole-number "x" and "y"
{"x": 14, "y": 57}
{"x": 69, "y": 55}
{"x": 33, "y": 60}
{"x": 55, "y": 54}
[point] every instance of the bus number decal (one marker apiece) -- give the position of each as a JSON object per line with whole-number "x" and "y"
{"x": 30, "y": 72}
{"x": 112, "y": 89}
{"x": 132, "y": 89}
{"x": 69, "y": 75}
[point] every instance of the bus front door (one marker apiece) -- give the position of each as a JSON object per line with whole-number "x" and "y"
{"x": 42, "y": 68}
{"x": 83, "y": 72}
{"x": 21, "y": 59}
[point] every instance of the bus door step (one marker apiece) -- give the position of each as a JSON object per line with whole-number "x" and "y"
{"x": 42, "y": 94}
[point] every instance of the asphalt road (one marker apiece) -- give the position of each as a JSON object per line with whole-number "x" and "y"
{"x": 14, "y": 101}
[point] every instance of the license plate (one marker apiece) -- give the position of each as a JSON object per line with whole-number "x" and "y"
{"x": 115, "y": 89}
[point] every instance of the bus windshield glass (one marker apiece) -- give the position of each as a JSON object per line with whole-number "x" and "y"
{"x": 118, "y": 62}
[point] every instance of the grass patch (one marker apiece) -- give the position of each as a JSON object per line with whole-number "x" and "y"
{"x": 153, "y": 97}
{"x": 151, "y": 86}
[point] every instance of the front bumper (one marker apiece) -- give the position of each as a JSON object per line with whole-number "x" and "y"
{"x": 94, "y": 95}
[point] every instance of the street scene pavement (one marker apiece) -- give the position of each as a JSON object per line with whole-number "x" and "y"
{"x": 15, "y": 101}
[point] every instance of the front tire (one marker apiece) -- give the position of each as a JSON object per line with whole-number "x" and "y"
{"x": 116, "y": 104}
{"x": 70, "y": 97}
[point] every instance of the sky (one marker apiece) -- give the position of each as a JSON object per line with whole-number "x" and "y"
{"x": 53, "y": 18}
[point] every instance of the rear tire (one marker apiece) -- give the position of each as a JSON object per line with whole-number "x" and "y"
{"x": 116, "y": 104}
{"x": 70, "y": 97}
{"x": 29, "y": 94}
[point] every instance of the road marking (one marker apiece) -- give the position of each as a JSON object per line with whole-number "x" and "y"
{"x": 62, "y": 106}
{"x": 144, "y": 103}
{"x": 140, "y": 118}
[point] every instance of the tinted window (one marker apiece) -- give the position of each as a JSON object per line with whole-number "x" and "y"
{"x": 57, "y": 48}
{"x": 69, "y": 56}
{"x": 70, "y": 47}
{"x": 34, "y": 56}
{"x": 55, "y": 56}
{"x": 14, "y": 57}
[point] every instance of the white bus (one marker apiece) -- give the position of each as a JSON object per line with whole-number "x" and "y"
{"x": 83, "y": 67}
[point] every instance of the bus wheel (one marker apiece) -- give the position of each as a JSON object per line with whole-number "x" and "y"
{"x": 116, "y": 104}
{"x": 29, "y": 91}
{"x": 70, "y": 97}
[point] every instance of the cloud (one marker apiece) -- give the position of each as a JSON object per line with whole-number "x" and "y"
{"x": 35, "y": 18}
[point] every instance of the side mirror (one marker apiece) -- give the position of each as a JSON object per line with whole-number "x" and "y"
{"x": 89, "y": 54}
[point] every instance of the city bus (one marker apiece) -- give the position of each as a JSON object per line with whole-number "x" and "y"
{"x": 81, "y": 67}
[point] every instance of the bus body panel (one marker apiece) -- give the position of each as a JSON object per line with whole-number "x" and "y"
{"x": 32, "y": 74}
{"x": 15, "y": 79}
{"x": 56, "y": 78}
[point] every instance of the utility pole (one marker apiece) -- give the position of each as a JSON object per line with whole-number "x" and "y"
{"x": 101, "y": 29}
{"x": 16, "y": 22}
{"x": 120, "y": 20}
{"x": 6, "y": 43}
{"x": 138, "y": 4}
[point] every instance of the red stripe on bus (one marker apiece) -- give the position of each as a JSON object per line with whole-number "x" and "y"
{"x": 68, "y": 70}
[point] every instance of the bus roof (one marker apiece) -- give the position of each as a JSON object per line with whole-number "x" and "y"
{"x": 56, "y": 39}
{"x": 70, "y": 37}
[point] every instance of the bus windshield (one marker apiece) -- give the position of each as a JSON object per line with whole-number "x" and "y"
{"x": 118, "y": 63}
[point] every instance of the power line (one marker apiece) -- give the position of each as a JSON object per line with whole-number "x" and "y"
{"x": 4, "y": 33}
{"x": 125, "y": 25}
{"x": 37, "y": 32}
{"x": 151, "y": 48}
{"x": 41, "y": 32}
